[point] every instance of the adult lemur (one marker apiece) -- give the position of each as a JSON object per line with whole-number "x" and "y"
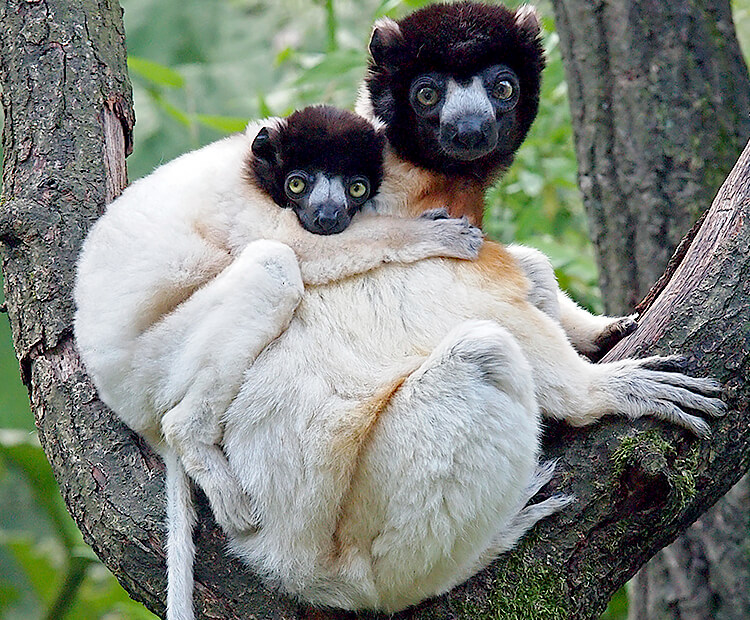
{"x": 456, "y": 87}
{"x": 388, "y": 437}
{"x": 183, "y": 281}
{"x": 382, "y": 446}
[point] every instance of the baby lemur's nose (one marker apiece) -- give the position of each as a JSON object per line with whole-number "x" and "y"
{"x": 328, "y": 217}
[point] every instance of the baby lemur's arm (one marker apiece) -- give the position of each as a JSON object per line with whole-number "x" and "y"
{"x": 373, "y": 240}
{"x": 325, "y": 212}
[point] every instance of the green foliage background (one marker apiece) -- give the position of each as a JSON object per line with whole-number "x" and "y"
{"x": 201, "y": 69}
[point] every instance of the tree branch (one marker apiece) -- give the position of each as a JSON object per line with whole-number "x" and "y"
{"x": 62, "y": 67}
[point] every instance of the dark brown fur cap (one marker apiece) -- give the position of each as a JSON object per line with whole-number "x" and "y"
{"x": 317, "y": 138}
{"x": 461, "y": 39}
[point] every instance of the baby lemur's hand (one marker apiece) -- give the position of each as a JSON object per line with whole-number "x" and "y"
{"x": 436, "y": 214}
{"x": 459, "y": 238}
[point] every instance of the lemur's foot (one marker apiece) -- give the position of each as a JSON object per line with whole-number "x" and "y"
{"x": 657, "y": 387}
{"x": 233, "y": 509}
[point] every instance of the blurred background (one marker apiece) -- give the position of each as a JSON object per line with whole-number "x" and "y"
{"x": 200, "y": 70}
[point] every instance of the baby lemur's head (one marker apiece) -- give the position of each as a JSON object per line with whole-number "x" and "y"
{"x": 322, "y": 162}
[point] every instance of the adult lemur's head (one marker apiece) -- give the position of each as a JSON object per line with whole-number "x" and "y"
{"x": 457, "y": 85}
{"x": 322, "y": 162}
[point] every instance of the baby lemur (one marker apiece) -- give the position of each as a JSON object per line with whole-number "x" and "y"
{"x": 456, "y": 89}
{"x": 189, "y": 275}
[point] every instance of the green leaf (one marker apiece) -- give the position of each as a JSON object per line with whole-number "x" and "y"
{"x": 285, "y": 55}
{"x": 332, "y": 66}
{"x": 14, "y": 588}
{"x": 38, "y": 563}
{"x": 173, "y": 111}
{"x": 18, "y": 601}
{"x": 416, "y": 4}
{"x": 154, "y": 72}
{"x": 225, "y": 124}
{"x": 22, "y": 450}
{"x": 387, "y": 7}
{"x": 265, "y": 110}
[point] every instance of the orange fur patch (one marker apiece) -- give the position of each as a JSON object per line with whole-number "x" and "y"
{"x": 414, "y": 190}
{"x": 497, "y": 268}
{"x": 348, "y": 446}
{"x": 460, "y": 196}
{"x": 351, "y": 436}
{"x": 419, "y": 190}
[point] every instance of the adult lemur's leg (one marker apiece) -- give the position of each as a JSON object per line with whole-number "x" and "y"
{"x": 448, "y": 462}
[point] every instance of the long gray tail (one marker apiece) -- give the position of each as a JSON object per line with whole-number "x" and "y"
{"x": 180, "y": 545}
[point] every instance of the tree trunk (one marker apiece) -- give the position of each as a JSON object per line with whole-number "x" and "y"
{"x": 660, "y": 101}
{"x": 659, "y": 96}
{"x": 68, "y": 121}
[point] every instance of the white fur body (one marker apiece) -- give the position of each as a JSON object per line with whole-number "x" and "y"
{"x": 182, "y": 283}
{"x": 384, "y": 439}
{"x": 388, "y": 435}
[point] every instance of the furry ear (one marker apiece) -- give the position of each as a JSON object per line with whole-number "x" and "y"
{"x": 527, "y": 20}
{"x": 386, "y": 43}
{"x": 263, "y": 146}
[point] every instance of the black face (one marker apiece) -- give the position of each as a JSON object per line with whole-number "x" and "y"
{"x": 325, "y": 203}
{"x": 466, "y": 119}
{"x": 322, "y": 162}
{"x": 457, "y": 85}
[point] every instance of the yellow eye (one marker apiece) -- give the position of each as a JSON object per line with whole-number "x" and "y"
{"x": 427, "y": 96}
{"x": 503, "y": 90}
{"x": 296, "y": 184}
{"x": 358, "y": 189}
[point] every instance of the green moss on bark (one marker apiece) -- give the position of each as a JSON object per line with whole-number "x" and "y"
{"x": 656, "y": 456}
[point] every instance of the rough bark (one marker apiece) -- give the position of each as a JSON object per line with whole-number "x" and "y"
{"x": 704, "y": 573}
{"x": 660, "y": 100}
{"x": 660, "y": 97}
{"x": 62, "y": 73}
